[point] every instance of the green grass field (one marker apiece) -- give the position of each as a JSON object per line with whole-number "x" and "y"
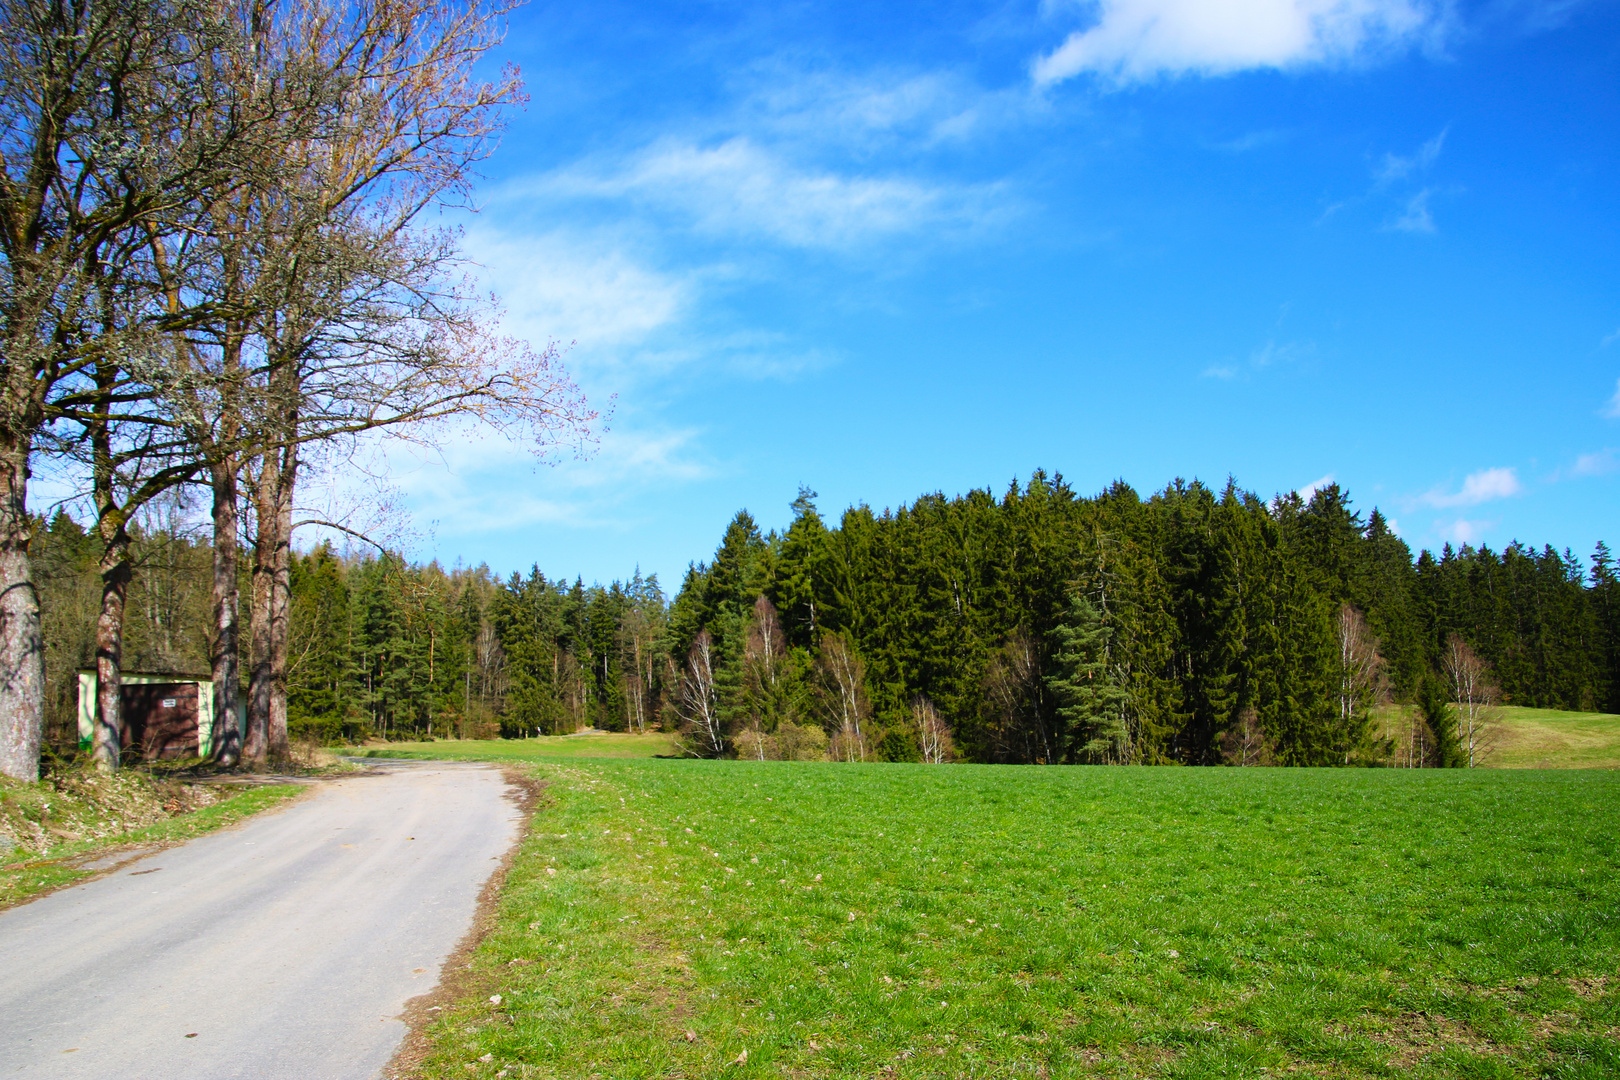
{"x": 594, "y": 745}
{"x": 665, "y": 917}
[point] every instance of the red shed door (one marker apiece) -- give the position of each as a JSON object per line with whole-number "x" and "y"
{"x": 160, "y": 720}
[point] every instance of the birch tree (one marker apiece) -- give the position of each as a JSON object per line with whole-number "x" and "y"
{"x": 699, "y": 705}
{"x": 1358, "y": 668}
{"x": 843, "y": 682}
{"x": 933, "y": 736}
{"x": 1469, "y": 680}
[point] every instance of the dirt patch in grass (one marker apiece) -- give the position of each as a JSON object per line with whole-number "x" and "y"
{"x": 1414, "y": 1037}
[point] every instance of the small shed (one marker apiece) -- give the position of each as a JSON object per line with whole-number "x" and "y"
{"x": 166, "y": 715}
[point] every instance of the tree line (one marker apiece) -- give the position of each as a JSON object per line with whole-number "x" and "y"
{"x": 216, "y": 268}
{"x": 1194, "y": 626}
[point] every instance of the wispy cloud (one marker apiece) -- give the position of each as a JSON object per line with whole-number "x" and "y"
{"x": 1135, "y": 41}
{"x": 1612, "y": 408}
{"x": 1599, "y": 463}
{"x": 870, "y": 111}
{"x": 480, "y": 484}
{"x": 1483, "y": 486}
{"x": 741, "y": 189}
{"x": 579, "y": 287}
{"x": 1395, "y": 171}
{"x": 1272, "y": 354}
{"x": 1609, "y": 339}
{"x": 1252, "y": 140}
{"x": 1395, "y": 167}
{"x": 1416, "y": 216}
{"x": 1464, "y": 531}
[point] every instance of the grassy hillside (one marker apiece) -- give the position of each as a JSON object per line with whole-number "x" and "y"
{"x": 1549, "y": 739}
{"x": 698, "y": 919}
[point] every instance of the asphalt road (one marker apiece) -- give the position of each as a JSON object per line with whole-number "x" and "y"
{"x": 283, "y": 948}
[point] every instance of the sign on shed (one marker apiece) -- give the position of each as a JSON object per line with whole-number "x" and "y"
{"x": 165, "y": 715}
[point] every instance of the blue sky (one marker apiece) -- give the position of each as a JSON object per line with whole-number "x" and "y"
{"x": 883, "y": 249}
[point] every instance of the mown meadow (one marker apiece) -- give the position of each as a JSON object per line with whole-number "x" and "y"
{"x": 696, "y": 919}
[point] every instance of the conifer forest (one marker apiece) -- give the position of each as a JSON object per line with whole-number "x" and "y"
{"x": 1194, "y": 625}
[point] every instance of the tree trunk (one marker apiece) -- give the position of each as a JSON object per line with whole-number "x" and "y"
{"x": 22, "y": 648}
{"x": 260, "y": 626}
{"x": 115, "y": 578}
{"x": 112, "y": 529}
{"x": 228, "y": 749}
{"x": 272, "y": 601}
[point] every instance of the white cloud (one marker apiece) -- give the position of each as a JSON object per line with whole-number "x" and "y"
{"x": 475, "y": 482}
{"x": 740, "y": 188}
{"x": 1612, "y": 409}
{"x": 1478, "y": 487}
{"x": 1596, "y": 464}
{"x": 1254, "y": 140}
{"x": 1463, "y": 531}
{"x": 870, "y": 110}
{"x": 1135, "y": 41}
{"x": 1309, "y": 490}
{"x": 1609, "y": 339}
{"x": 557, "y": 286}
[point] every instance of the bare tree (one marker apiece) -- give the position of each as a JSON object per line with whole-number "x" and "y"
{"x": 1359, "y": 666}
{"x": 1015, "y": 692}
{"x": 1476, "y": 694}
{"x": 843, "y": 682}
{"x": 699, "y": 708}
{"x": 312, "y": 308}
{"x": 108, "y": 122}
{"x": 933, "y": 736}
{"x": 1245, "y": 742}
{"x": 638, "y": 653}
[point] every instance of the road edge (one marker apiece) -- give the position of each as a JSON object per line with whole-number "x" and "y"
{"x": 135, "y": 850}
{"x": 457, "y": 977}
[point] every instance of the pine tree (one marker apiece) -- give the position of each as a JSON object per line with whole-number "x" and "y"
{"x": 1090, "y": 707}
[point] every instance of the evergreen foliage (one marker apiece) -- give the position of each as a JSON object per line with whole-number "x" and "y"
{"x": 1194, "y": 626}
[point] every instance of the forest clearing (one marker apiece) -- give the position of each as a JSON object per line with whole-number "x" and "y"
{"x": 806, "y": 919}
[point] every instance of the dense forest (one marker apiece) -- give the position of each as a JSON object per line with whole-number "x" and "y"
{"x": 1193, "y": 626}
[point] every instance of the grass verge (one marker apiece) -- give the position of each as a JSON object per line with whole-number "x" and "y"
{"x": 70, "y": 861}
{"x": 699, "y": 919}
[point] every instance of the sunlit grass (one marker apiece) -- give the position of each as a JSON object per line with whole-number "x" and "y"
{"x": 1550, "y": 739}
{"x": 604, "y": 744}
{"x": 663, "y": 917}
